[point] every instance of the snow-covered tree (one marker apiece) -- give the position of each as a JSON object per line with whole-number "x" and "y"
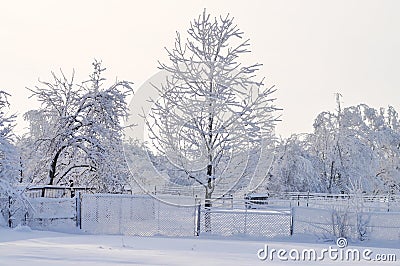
{"x": 77, "y": 132}
{"x": 295, "y": 169}
{"x": 378, "y": 157}
{"x": 147, "y": 170}
{"x": 327, "y": 144}
{"x": 357, "y": 144}
{"x": 352, "y": 149}
{"x": 211, "y": 107}
{"x": 9, "y": 164}
{"x": 9, "y": 156}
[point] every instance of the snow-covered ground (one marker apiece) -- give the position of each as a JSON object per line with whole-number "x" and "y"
{"x": 22, "y": 246}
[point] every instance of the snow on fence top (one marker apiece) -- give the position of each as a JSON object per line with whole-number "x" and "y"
{"x": 51, "y": 191}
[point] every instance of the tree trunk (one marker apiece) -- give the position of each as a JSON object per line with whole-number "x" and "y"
{"x": 208, "y": 206}
{"x": 331, "y": 177}
{"x": 53, "y": 165}
{"x": 10, "y": 215}
{"x": 52, "y": 171}
{"x": 208, "y": 202}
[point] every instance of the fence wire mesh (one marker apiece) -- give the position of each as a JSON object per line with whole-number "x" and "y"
{"x": 382, "y": 225}
{"x": 308, "y": 220}
{"x": 135, "y": 215}
{"x": 325, "y": 223}
{"x": 3, "y": 211}
{"x": 39, "y": 213}
{"x": 51, "y": 213}
{"x": 241, "y": 219}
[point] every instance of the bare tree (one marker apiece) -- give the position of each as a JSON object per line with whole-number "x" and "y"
{"x": 211, "y": 107}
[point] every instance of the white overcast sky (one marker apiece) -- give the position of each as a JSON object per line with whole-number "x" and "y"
{"x": 310, "y": 49}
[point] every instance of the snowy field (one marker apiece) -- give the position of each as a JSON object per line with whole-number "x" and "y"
{"x": 22, "y": 246}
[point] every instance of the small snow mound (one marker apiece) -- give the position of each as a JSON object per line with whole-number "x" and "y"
{"x": 22, "y": 228}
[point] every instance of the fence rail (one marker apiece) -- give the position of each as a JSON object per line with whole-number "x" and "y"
{"x": 368, "y": 203}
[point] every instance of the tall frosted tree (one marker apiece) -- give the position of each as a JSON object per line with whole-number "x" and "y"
{"x": 212, "y": 108}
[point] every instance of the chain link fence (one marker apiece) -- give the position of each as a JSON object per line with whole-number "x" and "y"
{"x": 51, "y": 213}
{"x": 135, "y": 215}
{"x": 383, "y": 225}
{"x": 179, "y": 216}
{"x": 313, "y": 221}
{"x": 336, "y": 222}
{"x": 245, "y": 223}
{"x": 39, "y": 213}
{"x": 228, "y": 217}
{"x": 143, "y": 215}
{"x": 3, "y": 211}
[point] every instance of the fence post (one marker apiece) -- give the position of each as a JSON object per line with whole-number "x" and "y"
{"x": 120, "y": 215}
{"x": 291, "y": 220}
{"x": 78, "y": 205}
{"x": 197, "y": 214}
{"x": 157, "y": 202}
{"x": 245, "y": 221}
